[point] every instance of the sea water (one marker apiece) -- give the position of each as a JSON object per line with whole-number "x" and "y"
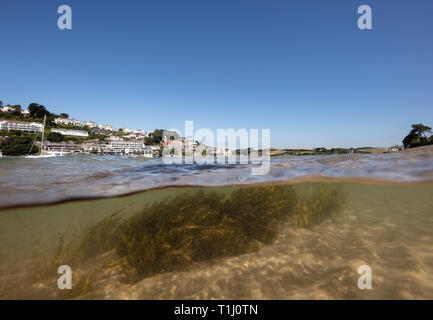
{"x": 385, "y": 221}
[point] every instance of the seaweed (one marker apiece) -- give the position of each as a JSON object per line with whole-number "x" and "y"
{"x": 320, "y": 204}
{"x": 98, "y": 238}
{"x": 191, "y": 227}
{"x": 201, "y": 226}
{"x": 258, "y": 211}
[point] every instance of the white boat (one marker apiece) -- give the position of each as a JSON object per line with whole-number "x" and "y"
{"x": 57, "y": 153}
{"x": 45, "y": 154}
{"x": 49, "y": 154}
{"x": 40, "y": 156}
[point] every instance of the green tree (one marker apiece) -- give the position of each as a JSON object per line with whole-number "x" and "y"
{"x": 410, "y": 139}
{"x": 157, "y": 136}
{"x": 18, "y": 146}
{"x": 64, "y": 115}
{"x": 148, "y": 141}
{"x": 154, "y": 138}
{"x": 417, "y": 136}
{"x": 55, "y": 137}
{"x": 38, "y": 111}
{"x": 101, "y": 137}
{"x": 421, "y": 129}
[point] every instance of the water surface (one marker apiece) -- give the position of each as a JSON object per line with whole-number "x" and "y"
{"x": 30, "y": 181}
{"x": 386, "y": 222}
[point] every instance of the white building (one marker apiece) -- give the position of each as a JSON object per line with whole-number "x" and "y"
{"x": 148, "y": 152}
{"x": 130, "y": 136}
{"x": 127, "y": 130}
{"x": 105, "y": 127}
{"x": 393, "y": 149}
{"x": 73, "y": 122}
{"x": 115, "y": 138}
{"x": 126, "y": 146}
{"x": 6, "y": 109}
{"x": 76, "y": 133}
{"x": 139, "y": 132}
{"x": 21, "y": 126}
{"x": 90, "y": 124}
{"x": 10, "y": 109}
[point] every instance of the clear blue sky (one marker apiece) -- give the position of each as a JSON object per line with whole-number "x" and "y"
{"x": 301, "y": 68}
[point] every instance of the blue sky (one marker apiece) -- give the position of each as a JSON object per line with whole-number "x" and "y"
{"x": 301, "y": 68}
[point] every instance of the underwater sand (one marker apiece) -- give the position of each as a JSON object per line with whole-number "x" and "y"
{"x": 388, "y": 226}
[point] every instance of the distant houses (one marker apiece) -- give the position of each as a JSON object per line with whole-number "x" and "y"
{"x": 6, "y": 109}
{"x": 115, "y": 138}
{"x": 121, "y": 146}
{"x": 394, "y": 148}
{"x": 109, "y": 141}
{"x": 9, "y": 125}
{"x": 65, "y": 121}
{"x": 90, "y": 124}
{"x": 76, "y": 133}
{"x": 130, "y": 136}
{"x": 101, "y": 131}
{"x": 9, "y": 108}
{"x": 148, "y": 152}
{"x": 105, "y": 127}
{"x": 68, "y": 147}
{"x": 140, "y": 133}
{"x": 98, "y": 138}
